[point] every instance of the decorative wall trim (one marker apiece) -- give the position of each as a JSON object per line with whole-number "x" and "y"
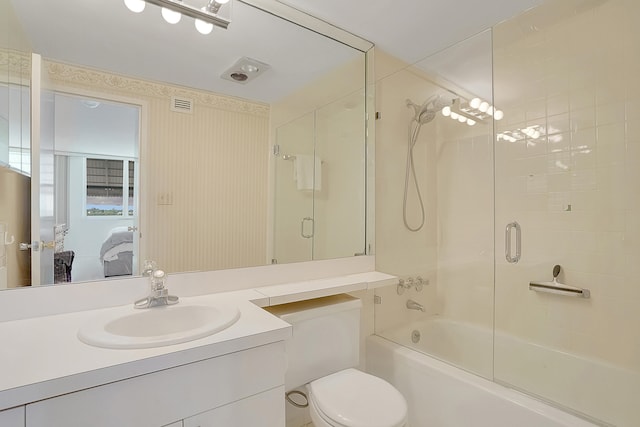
{"x": 15, "y": 62}
{"x": 70, "y": 74}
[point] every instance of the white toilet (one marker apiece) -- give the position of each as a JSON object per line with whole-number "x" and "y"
{"x": 322, "y": 354}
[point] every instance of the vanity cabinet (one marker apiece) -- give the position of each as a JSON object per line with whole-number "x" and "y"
{"x": 13, "y": 417}
{"x": 263, "y": 410}
{"x": 230, "y": 390}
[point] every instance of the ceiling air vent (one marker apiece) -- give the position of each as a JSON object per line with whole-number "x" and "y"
{"x": 181, "y": 105}
{"x": 244, "y": 70}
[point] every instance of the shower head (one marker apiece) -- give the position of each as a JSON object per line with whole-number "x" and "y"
{"x": 427, "y": 111}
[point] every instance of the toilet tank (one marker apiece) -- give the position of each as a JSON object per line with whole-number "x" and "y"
{"x": 326, "y": 337}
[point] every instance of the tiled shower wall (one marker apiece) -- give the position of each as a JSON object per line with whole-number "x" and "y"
{"x": 568, "y": 71}
{"x": 454, "y": 250}
{"x": 398, "y": 250}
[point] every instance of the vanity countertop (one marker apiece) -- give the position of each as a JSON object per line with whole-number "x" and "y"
{"x": 42, "y": 357}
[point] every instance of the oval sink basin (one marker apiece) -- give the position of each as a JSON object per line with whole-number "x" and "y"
{"x": 157, "y": 326}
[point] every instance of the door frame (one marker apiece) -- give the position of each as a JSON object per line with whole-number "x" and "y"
{"x": 143, "y": 197}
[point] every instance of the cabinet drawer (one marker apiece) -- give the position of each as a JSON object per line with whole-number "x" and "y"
{"x": 262, "y": 410}
{"x": 12, "y": 417}
{"x": 167, "y": 396}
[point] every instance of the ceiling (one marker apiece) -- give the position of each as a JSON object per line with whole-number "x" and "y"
{"x": 103, "y": 34}
{"x": 413, "y": 29}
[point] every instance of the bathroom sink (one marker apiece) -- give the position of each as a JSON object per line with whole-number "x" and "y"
{"x": 157, "y": 326}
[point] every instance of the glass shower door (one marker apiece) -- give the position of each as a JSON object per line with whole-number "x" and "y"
{"x": 294, "y": 196}
{"x": 446, "y": 261}
{"x": 567, "y": 162}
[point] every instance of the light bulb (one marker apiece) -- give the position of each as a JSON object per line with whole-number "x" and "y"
{"x": 483, "y": 106}
{"x": 446, "y": 111}
{"x": 135, "y": 6}
{"x": 202, "y": 26}
{"x": 454, "y": 115}
{"x": 249, "y": 68}
{"x": 475, "y": 103}
{"x": 471, "y": 122}
{"x": 491, "y": 110}
{"x": 498, "y": 115}
{"x": 462, "y": 119}
{"x": 171, "y": 16}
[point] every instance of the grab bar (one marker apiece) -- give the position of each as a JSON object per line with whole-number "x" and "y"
{"x": 555, "y": 287}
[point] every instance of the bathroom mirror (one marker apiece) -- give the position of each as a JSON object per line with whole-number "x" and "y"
{"x": 224, "y": 174}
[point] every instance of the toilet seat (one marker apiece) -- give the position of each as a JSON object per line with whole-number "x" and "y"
{"x": 351, "y": 398}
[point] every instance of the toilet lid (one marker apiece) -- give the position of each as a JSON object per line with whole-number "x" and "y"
{"x": 352, "y": 398}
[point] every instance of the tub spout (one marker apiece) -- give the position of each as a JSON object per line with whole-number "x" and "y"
{"x": 412, "y": 305}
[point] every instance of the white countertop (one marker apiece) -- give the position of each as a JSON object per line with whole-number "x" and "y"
{"x": 42, "y": 357}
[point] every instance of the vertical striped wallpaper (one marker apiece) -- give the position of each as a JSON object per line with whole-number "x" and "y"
{"x": 212, "y": 164}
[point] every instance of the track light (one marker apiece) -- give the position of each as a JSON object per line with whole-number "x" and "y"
{"x": 173, "y": 10}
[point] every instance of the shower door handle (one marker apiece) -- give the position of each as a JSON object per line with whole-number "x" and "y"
{"x": 302, "y": 233}
{"x": 507, "y": 243}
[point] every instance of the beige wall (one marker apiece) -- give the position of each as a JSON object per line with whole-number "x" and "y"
{"x": 324, "y": 119}
{"x": 575, "y": 191}
{"x": 212, "y": 164}
{"x": 14, "y": 212}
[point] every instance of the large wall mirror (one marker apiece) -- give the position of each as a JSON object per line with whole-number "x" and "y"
{"x": 127, "y": 138}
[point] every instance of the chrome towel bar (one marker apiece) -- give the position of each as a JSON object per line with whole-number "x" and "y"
{"x": 555, "y": 287}
{"x": 558, "y": 288}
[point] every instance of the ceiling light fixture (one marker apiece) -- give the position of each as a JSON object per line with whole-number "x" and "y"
{"x": 171, "y": 16}
{"x": 172, "y": 11}
{"x": 482, "y": 109}
{"x": 213, "y": 7}
{"x": 135, "y": 6}
{"x": 454, "y": 112}
{"x": 244, "y": 70}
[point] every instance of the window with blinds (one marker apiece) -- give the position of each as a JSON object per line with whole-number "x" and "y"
{"x": 110, "y": 187}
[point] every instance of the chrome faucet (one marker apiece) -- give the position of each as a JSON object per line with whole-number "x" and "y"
{"x": 412, "y": 305}
{"x": 159, "y": 293}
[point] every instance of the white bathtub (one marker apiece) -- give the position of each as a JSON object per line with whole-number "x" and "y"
{"x": 440, "y": 395}
{"x": 595, "y": 388}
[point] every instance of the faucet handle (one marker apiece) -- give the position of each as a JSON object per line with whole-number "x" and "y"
{"x": 149, "y": 267}
{"x": 157, "y": 280}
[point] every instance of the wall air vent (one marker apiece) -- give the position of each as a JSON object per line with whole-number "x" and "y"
{"x": 181, "y": 105}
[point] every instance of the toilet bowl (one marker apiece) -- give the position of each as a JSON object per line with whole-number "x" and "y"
{"x": 322, "y": 355}
{"x": 351, "y": 398}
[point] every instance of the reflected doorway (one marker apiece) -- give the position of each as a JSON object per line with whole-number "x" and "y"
{"x": 89, "y": 188}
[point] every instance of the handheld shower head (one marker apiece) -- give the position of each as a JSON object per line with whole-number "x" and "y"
{"x": 427, "y": 111}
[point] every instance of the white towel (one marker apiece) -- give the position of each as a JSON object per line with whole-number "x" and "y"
{"x": 307, "y": 171}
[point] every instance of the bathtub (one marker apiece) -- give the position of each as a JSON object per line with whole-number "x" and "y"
{"x": 441, "y": 395}
{"x": 599, "y": 390}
